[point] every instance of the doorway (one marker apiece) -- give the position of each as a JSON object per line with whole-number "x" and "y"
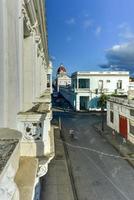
{"x": 84, "y": 101}
{"x": 123, "y": 126}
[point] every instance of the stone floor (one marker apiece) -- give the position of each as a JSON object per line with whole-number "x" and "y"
{"x": 126, "y": 149}
{"x": 56, "y": 184}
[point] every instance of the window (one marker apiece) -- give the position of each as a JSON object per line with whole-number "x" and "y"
{"x": 119, "y": 84}
{"x": 48, "y": 80}
{"x": 111, "y": 106}
{"x": 100, "y": 84}
{"x": 84, "y": 83}
{"x": 131, "y": 112}
{"x": 131, "y": 127}
{"x": 111, "y": 117}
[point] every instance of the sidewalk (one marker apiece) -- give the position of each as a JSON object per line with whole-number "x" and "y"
{"x": 56, "y": 184}
{"x": 125, "y": 149}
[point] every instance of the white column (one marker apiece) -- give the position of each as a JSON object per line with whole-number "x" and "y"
{"x": 28, "y": 72}
{"x": 3, "y": 65}
{"x": 77, "y": 102}
{"x": 38, "y": 76}
{"x": 77, "y": 83}
{"x": 9, "y": 58}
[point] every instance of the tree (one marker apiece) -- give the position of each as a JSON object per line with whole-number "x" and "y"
{"x": 102, "y": 104}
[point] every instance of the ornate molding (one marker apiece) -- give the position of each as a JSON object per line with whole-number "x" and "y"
{"x": 33, "y": 131}
{"x": 30, "y": 27}
{"x": 27, "y": 20}
{"x": 42, "y": 170}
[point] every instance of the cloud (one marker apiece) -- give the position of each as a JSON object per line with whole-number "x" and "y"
{"x": 87, "y": 23}
{"x": 52, "y": 58}
{"x": 126, "y": 31}
{"x": 70, "y": 21}
{"x": 98, "y": 30}
{"x": 120, "y": 57}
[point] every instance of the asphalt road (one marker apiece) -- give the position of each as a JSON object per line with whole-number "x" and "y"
{"x": 96, "y": 177}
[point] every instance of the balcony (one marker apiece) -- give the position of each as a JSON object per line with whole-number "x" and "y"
{"x": 36, "y": 148}
{"x": 45, "y": 97}
{"x": 9, "y": 162}
{"x": 120, "y": 91}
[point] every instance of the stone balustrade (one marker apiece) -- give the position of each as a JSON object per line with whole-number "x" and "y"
{"x": 9, "y": 163}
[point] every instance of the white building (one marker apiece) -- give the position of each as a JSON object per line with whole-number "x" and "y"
{"x": 120, "y": 116}
{"x": 26, "y": 137}
{"x": 88, "y": 86}
{"x": 62, "y": 78}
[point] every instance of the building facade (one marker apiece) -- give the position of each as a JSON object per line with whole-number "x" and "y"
{"x": 62, "y": 78}
{"x": 25, "y": 96}
{"x": 88, "y": 86}
{"x": 120, "y": 116}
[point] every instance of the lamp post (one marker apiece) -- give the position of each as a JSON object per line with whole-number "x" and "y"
{"x": 102, "y": 103}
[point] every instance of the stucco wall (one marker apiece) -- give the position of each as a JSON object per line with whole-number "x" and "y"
{"x": 111, "y": 86}
{"x": 118, "y": 110}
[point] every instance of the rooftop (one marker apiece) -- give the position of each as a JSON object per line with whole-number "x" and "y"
{"x": 123, "y": 101}
{"x": 101, "y": 73}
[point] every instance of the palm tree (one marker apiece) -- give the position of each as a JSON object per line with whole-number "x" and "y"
{"x": 102, "y": 104}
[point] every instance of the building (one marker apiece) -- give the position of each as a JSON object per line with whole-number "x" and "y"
{"x": 62, "y": 78}
{"x": 120, "y": 116}
{"x": 131, "y": 84}
{"x": 26, "y": 135}
{"x": 88, "y": 86}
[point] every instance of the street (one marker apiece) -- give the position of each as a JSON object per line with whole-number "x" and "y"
{"x": 96, "y": 176}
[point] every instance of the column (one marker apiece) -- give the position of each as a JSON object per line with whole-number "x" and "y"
{"x": 77, "y": 102}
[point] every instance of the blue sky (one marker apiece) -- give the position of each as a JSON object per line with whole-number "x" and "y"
{"x": 91, "y": 34}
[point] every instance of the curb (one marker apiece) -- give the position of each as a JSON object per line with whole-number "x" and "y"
{"x": 115, "y": 147}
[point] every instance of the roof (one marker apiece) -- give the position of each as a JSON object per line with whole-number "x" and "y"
{"x": 61, "y": 69}
{"x": 95, "y": 73}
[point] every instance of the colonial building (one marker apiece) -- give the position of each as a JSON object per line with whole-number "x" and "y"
{"x": 88, "y": 86}
{"x": 62, "y": 78}
{"x": 120, "y": 116}
{"x": 26, "y": 136}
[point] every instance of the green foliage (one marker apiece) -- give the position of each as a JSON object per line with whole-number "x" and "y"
{"x": 103, "y": 101}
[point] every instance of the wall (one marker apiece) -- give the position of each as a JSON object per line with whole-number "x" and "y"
{"x": 118, "y": 110}
{"x": 94, "y": 81}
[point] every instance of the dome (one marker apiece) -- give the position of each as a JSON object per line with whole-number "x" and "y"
{"x": 61, "y": 69}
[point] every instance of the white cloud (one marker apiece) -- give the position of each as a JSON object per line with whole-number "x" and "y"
{"x": 98, "y": 30}
{"x": 126, "y": 31}
{"x": 122, "y": 25}
{"x": 53, "y": 58}
{"x": 70, "y": 21}
{"x": 87, "y": 23}
{"x": 120, "y": 57}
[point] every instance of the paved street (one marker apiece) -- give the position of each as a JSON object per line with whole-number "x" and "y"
{"x": 96, "y": 177}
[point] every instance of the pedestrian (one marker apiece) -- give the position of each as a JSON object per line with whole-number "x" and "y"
{"x": 71, "y": 132}
{"x": 113, "y": 134}
{"x": 124, "y": 140}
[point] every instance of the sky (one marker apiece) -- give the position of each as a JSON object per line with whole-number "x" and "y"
{"x": 91, "y": 35}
